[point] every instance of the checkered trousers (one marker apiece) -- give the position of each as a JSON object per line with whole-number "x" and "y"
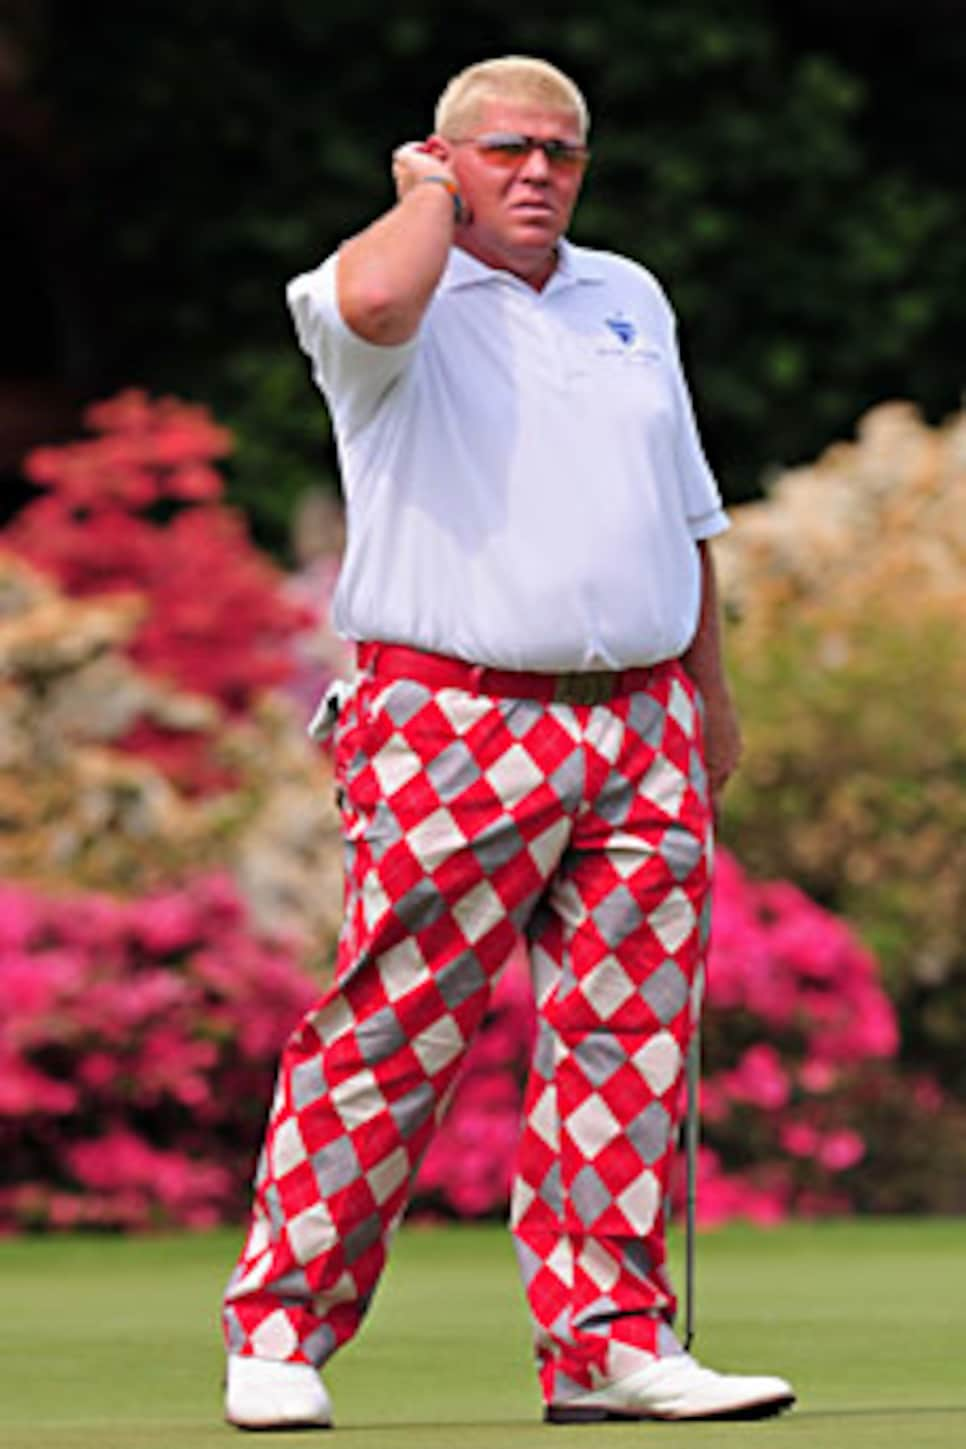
{"x": 470, "y": 820}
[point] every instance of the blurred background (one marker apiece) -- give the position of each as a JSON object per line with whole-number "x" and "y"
{"x": 790, "y": 171}
{"x": 793, "y": 174}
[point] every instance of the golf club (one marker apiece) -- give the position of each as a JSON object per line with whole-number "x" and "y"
{"x": 692, "y": 1129}
{"x": 691, "y": 1135}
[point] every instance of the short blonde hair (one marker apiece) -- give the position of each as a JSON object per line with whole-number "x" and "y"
{"x": 518, "y": 78}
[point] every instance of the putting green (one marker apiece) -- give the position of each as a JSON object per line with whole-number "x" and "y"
{"x": 112, "y": 1343}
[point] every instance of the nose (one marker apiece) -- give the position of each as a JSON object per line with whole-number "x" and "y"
{"x": 536, "y": 167}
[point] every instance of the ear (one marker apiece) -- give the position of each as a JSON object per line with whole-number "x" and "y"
{"x": 436, "y": 146}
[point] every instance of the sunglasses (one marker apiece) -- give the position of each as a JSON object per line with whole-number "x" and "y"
{"x": 509, "y": 148}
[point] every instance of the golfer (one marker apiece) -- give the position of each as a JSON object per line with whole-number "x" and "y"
{"x": 531, "y": 748}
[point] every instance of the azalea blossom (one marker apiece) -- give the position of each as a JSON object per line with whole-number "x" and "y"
{"x": 215, "y": 616}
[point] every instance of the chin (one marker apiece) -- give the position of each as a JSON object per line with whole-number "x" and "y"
{"x": 536, "y": 234}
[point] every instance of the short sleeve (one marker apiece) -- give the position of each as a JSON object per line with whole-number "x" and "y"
{"x": 352, "y": 374}
{"x": 702, "y": 498}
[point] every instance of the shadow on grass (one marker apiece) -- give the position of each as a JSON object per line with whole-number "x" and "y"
{"x": 887, "y": 1411}
{"x": 871, "y": 1412}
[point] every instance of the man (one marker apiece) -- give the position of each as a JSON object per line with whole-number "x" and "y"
{"x": 538, "y": 729}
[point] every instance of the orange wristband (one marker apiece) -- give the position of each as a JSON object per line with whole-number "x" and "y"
{"x": 454, "y": 191}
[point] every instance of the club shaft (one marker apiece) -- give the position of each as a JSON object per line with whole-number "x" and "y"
{"x": 691, "y": 1135}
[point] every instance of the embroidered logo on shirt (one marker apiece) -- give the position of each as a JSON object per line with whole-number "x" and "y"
{"x": 622, "y": 327}
{"x": 620, "y": 337}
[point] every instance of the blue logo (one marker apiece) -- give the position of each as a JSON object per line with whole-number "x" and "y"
{"x": 622, "y": 327}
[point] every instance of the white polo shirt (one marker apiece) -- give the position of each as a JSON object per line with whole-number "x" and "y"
{"x": 524, "y": 478}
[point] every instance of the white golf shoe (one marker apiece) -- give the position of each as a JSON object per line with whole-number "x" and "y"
{"x": 676, "y": 1387}
{"x": 261, "y": 1393}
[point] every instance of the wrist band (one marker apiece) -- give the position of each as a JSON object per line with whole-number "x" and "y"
{"x": 454, "y": 191}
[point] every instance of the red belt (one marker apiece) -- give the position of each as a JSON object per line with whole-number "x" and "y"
{"x": 439, "y": 671}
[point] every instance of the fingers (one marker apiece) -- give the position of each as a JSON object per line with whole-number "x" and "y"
{"x": 415, "y": 160}
{"x": 720, "y": 772}
{"x": 718, "y": 778}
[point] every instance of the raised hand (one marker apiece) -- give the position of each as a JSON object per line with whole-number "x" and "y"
{"x": 415, "y": 160}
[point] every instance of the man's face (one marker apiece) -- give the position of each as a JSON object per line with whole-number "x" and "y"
{"x": 519, "y": 210}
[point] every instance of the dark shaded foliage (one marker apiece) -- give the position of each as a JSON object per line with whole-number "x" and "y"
{"x": 197, "y": 156}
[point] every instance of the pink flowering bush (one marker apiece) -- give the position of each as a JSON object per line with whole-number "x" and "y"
{"x": 139, "y": 1037}
{"x": 804, "y": 1108}
{"x": 795, "y": 1019}
{"x": 137, "y": 1054}
{"x": 803, "y": 1112}
{"x": 139, "y": 1041}
{"x": 137, "y": 509}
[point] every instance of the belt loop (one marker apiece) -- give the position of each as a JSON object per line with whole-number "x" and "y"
{"x": 476, "y": 678}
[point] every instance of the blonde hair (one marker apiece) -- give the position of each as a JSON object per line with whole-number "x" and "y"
{"x": 518, "y": 78}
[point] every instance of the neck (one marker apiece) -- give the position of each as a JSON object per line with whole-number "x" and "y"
{"x": 534, "y": 269}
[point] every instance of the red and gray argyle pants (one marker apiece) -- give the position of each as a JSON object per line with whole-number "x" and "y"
{"x": 471, "y": 820}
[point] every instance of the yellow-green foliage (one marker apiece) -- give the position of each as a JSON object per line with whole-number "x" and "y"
{"x": 78, "y": 812}
{"x": 846, "y": 593}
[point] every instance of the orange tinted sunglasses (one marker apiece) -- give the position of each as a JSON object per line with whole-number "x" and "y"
{"x": 510, "y": 148}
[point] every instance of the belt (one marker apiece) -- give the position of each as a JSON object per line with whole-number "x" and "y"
{"x": 439, "y": 671}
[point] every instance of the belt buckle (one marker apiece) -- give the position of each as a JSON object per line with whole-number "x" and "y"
{"x": 584, "y": 687}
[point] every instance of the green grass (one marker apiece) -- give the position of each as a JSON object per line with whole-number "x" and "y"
{"x": 113, "y": 1343}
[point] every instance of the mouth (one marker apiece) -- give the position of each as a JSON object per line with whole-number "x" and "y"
{"x": 533, "y": 208}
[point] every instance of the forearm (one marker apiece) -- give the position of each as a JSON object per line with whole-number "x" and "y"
{"x": 704, "y": 662}
{"x": 388, "y": 273}
{"x": 704, "y": 657}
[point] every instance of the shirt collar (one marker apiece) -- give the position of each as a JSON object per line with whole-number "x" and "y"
{"x": 574, "y": 266}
